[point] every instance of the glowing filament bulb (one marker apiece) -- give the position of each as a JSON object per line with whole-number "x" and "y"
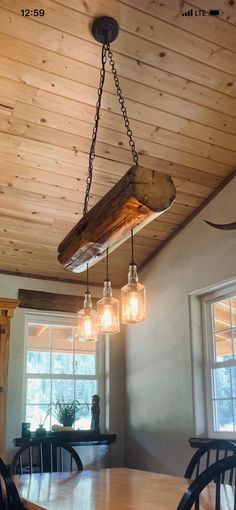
{"x": 134, "y": 306}
{"x": 107, "y": 318}
{"x": 88, "y": 328}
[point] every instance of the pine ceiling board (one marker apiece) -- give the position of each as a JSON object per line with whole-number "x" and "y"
{"x": 211, "y": 29}
{"x": 28, "y": 201}
{"x": 12, "y": 172}
{"x": 16, "y": 144}
{"x": 145, "y": 26}
{"x": 149, "y": 150}
{"x": 136, "y": 70}
{"x": 32, "y": 114}
{"x": 72, "y": 22}
{"x": 70, "y": 107}
{"x": 49, "y": 76}
{"x": 56, "y": 64}
{"x": 43, "y": 183}
{"x": 156, "y": 111}
{"x": 46, "y": 100}
{"x": 101, "y": 175}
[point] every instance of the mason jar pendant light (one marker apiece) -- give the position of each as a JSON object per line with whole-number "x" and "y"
{"x": 133, "y": 295}
{"x": 108, "y": 308}
{"x": 88, "y": 321}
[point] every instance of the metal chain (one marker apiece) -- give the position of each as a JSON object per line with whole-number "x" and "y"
{"x": 95, "y": 129}
{"x": 106, "y": 50}
{"x": 122, "y": 105}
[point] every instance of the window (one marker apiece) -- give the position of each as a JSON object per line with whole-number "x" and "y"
{"x": 220, "y": 362}
{"x": 59, "y": 367}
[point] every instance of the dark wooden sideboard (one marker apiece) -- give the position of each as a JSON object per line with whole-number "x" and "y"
{"x": 74, "y": 438}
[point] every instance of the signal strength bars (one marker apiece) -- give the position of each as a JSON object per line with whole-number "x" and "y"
{"x": 203, "y": 12}
{"x": 188, "y": 13}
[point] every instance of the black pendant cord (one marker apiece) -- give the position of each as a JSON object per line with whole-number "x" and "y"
{"x": 107, "y": 275}
{"x": 87, "y": 279}
{"x": 132, "y": 247}
{"x": 95, "y": 129}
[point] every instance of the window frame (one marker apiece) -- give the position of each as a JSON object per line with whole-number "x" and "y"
{"x": 208, "y": 355}
{"x": 64, "y": 319}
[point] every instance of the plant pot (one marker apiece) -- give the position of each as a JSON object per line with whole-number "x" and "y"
{"x": 40, "y": 431}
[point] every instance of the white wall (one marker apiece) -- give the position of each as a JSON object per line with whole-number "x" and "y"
{"x": 159, "y": 410}
{"x": 9, "y": 286}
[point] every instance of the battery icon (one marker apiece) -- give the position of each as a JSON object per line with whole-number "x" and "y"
{"x": 215, "y": 12}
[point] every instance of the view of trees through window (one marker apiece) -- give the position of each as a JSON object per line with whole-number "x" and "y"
{"x": 223, "y": 371}
{"x": 59, "y": 368}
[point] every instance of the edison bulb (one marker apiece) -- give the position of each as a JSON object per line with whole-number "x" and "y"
{"x": 133, "y": 299}
{"x": 88, "y": 321}
{"x": 108, "y": 311}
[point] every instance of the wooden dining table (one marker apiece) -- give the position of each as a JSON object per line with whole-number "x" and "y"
{"x": 109, "y": 489}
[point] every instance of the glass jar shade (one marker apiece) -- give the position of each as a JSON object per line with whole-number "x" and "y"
{"x": 108, "y": 311}
{"x": 88, "y": 321}
{"x": 133, "y": 299}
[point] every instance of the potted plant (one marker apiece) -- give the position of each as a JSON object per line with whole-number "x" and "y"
{"x": 41, "y": 431}
{"x": 67, "y": 412}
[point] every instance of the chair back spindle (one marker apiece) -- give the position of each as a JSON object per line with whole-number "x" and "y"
{"x": 12, "y": 500}
{"x": 209, "y": 453}
{"x": 47, "y": 457}
{"x": 214, "y": 473}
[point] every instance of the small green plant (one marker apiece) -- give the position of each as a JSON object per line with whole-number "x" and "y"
{"x": 67, "y": 412}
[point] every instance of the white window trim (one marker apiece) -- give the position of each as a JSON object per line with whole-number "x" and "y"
{"x": 206, "y": 302}
{"x": 60, "y": 318}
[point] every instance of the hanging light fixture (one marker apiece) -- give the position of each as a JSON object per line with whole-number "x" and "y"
{"x": 133, "y": 295}
{"x": 88, "y": 321}
{"x": 140, "y": 196}
{"x": 108, "y": 308}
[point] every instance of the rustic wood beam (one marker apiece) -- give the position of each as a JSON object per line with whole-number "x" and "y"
{"x": 138, "y": 198}
{"x": 38, "y": 300}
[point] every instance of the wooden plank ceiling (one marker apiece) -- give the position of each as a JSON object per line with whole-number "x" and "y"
{"x": 178, "y": 75}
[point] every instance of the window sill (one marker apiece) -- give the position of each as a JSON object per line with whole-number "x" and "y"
{"x": 197, "y": 442}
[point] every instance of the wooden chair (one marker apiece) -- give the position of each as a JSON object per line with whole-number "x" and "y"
{"x": 214, "y": 473}
{"x": 12, "y": 500}
{"x": 208, "y": 454}
{"x": 48, "y": 457}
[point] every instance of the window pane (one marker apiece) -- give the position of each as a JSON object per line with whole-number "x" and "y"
{"x": 62, "y": 363}
{"x": 84, "y": 392}
{"x": 63, "y": 390}
{"x": 62, "y": 338}
{"x": 38, "y": 362}
{"x": 233, "y": 311}
{"x": 221, "y": 315}
{"x": 37, "y": 415}
{"x": 38, "y": 391}
{"x": 38, "y": 337}
{"x": 223, "y": 346}
{"x": 233, "y": 378}
{"x": 223, "y": 415}
{"x": 85, "y": 364}
{"x": 222, "y": 382}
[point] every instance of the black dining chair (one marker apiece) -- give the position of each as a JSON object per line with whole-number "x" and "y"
{"x": 11, "y": 499}
{"x": 208, "y": 454}
{"x": 45, "y": 457}
{"x": 214, "y": 473}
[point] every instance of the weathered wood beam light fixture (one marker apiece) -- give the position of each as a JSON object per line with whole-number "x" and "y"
{"x": 139, "y": 197}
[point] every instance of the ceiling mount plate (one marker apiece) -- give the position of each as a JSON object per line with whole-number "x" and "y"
{"x": 105, "y": 29}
